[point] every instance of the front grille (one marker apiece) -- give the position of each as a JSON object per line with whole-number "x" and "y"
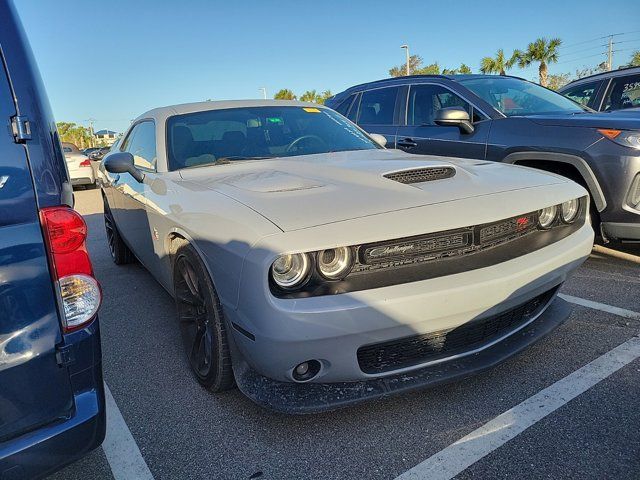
{"x": 414, "y": 350}
{"x": 420, "y": 175}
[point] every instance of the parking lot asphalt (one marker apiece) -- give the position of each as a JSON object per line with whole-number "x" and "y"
{"x": 183, "y": 431}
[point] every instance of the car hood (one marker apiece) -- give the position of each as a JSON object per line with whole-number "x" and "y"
{"x": 629, "y": 121}
{"x": 306, "y": 191}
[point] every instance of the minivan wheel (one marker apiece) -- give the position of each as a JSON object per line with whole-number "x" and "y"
{"x": 201, "y": 322}
{"x": 120, "y": 253}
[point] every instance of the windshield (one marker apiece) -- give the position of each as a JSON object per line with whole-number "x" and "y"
{"x": 515, "y": 97}
{"x": 222, "y": 136}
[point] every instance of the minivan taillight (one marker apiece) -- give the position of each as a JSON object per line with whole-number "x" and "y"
{"x": 79, "y": 292}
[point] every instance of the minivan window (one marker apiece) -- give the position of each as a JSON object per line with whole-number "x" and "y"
{"x": 624, "y": 92}
{"x": 582, "y": 94}
{"x": 377, "y": 106}
{"x": 426, "y": 100}
{"x": 141, "y": 143}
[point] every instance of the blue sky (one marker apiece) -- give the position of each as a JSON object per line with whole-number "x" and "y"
{"x": 112, "y": 60}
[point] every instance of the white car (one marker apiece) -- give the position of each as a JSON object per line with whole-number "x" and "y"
{"x": 79, "y": 166}
{"x": 315, "y": 269}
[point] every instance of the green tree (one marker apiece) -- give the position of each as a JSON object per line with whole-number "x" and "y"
{"x": 499, "y": 64}
{"x": 433, "y": 69}
{"x": 635, "y": 59}
{"x": 542, "y": 51}
{"x": 556, "y": 82}
{"x": 462, "y": 69}
{"x": 76, "y": 134}
{"x": 309, "y": 96}
{"x": 284, "y": 94}
{"x": 415, "y": 61}
{"x": 323, "y": 97}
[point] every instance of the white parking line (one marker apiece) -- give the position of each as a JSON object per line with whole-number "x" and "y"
{"x": 449, "y": 462}
{"x": 621, "y": 312}
{"x": 121, "y": 450}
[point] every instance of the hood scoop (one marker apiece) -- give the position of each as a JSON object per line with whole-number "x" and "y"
{"x": 421, "y": 175}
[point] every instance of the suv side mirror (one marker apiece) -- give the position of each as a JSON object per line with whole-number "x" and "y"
{"x": 379, "y": 139}
{"x": 122, "y": 162}
{"x": 454, "y": 117}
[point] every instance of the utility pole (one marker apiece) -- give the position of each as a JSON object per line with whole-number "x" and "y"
{"x": 93, "y": 137}
{"x": 406, "y": 49}
{"x": 610, "y": 54}
{"x": 264, "y": 92}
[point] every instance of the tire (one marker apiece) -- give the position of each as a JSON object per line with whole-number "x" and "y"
{"x": 120, "y": 253}
{"x": 201, "y": 322}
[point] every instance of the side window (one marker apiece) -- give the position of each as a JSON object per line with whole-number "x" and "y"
{"x": 377, "y": 106}
{"x": 426, "y": 100}
{"x": 141, "y": 143}
{"x": 343, "y": 108}
{"x": 582, "y": 93}
{"x": 624, "y": 92}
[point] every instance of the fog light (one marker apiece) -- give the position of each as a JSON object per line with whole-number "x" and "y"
{"x": 306, "y": 370}
{"x": 634, "y": 193}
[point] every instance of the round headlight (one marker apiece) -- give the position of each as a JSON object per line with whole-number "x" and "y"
{"x": 547, "y": 216}
{"x": 570, "y": 210}
{"x": 290, "y": 270}
{"x": 335, "y": 263}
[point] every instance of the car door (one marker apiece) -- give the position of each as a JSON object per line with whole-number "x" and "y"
{"x": 130, "y": 195}
{"x": 34, "y": 389}
{"x": 420, "y": 134}
{"x": 378, "y": 112}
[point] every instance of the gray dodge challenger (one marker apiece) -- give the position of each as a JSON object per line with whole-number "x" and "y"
{"x": 313, "y": 268}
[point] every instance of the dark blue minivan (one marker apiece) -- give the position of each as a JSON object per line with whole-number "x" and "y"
{"x": 52, "y": 407}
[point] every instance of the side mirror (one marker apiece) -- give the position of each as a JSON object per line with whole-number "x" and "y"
{"x": 454, "y": 117}
{"x": 122, "y": 162}
{"x": 379, "y": 139}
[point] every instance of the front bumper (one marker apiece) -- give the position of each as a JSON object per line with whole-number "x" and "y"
{"x": 622, "y": 231}
{"x": 301, "y": 398}
{"x": 274, "y": 335}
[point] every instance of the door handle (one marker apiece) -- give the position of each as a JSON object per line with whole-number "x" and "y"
{"x": 407, "y": 143}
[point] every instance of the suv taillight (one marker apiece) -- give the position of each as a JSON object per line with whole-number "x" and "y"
{"x": 79, "y": 292}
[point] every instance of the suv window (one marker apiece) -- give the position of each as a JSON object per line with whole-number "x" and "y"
{"x": 624, "y": 92}
{"x": 426, "y": 100}
{"x": 377, "y": 106}
{"x": 141, "y": 143}
{"x": 343, "y": 108}
{"x": 582, "y": 93}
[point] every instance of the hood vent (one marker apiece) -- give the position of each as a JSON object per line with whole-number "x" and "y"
{"x": 420, "y": 175}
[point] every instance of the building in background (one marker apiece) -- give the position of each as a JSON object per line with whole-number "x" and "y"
{"x": 105, "y": 137}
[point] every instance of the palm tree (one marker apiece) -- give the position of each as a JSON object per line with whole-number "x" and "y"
{"x": 284, "y": 94}
{"x": 635, "y": 59}
{"x": 543, "y": 51}
{"x": 500, "y": 64}
{"x": 309, "y": 96}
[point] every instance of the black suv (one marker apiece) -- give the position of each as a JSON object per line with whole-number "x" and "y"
{"x": 607, "y": 92}
{"x": 508, "y": 119}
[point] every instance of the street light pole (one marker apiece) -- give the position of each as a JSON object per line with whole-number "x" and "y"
{"x": 406, "y": 49}
{"x": 264, "y": 92}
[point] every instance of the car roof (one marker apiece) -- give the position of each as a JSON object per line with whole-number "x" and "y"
{"x": 613, "y": 73}
{"x": 171, "y": 110}
{"x": 417, "y": 78}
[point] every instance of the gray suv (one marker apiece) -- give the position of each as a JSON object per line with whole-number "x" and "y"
{"x": 508, "y": 119}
